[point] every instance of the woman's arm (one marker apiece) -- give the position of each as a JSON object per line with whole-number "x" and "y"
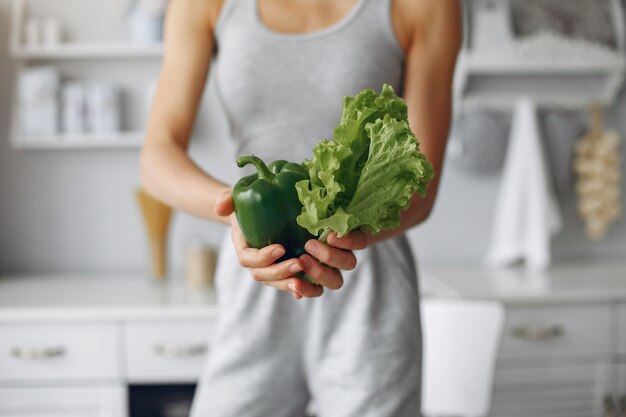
{"x": 167, "y": 172}
{"x": 430, "y": 32}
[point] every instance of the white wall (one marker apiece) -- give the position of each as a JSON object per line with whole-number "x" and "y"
{"x": 75, "y": 210}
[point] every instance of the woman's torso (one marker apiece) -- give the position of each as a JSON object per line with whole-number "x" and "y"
{"x": 282, "y": 92}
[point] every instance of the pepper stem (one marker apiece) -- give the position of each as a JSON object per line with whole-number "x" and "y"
{"x": 264, "y": 172}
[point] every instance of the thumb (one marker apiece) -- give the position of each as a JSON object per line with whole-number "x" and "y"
{"x": 224, "y": 206}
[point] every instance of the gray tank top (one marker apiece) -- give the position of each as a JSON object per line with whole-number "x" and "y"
{"x": 283, "y": 93}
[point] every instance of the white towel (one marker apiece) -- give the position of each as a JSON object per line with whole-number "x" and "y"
{"x": 526, "y": 215}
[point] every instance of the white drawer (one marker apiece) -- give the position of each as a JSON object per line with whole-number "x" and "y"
{"x": 90, "y": 401}
{"x": 579, "y": 330}
{"x": 550, "y": 390}
{"x": 172, "y": 351}
{"x": 59, "y": 351}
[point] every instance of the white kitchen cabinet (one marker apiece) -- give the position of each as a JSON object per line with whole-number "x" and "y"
{"x": 563, "y": 345}
{"x": 550, "y": 389}
{"x": 59, "y": 351}
{"x": 557, "y": 332}
{"x": 554, "y": 361}
{"x": 84, "y": 401}
{"x": 70, "y": 347}
{"x": 166, "y": 351}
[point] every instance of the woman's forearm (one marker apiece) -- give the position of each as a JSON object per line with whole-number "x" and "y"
{"x": 171, "y": 176}
{"x": 167, "y": 172}
{"x": 418, "y": 211}
{"x": 431, "y": 49}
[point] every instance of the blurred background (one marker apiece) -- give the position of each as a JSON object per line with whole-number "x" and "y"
{"x": 57, "y": 198}
{"x": 527, "y": 225}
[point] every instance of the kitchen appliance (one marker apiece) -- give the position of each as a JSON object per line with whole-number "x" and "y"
{"x": 160, "y": 400}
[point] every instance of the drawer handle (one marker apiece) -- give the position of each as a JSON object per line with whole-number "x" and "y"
{"x": 535, "y": 333}
{"x": 33, "y": 353}
{"x": 180, "y": 351}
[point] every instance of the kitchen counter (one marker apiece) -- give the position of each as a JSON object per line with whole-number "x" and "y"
{"x": 564, "y": 330}
{"x": 76, "y": 343}
{"x": 80, "y": 298}
{"x": 564, "y": 284}
{"x": 107, "y": 297}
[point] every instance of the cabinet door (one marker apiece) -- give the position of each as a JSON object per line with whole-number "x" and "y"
{"x": 168, "y": 351}
{"x": 92, "y": 401}
{"x": 546, "y": 389}
{"x": 556, "y": 332}
{"x": 59, "y": 351}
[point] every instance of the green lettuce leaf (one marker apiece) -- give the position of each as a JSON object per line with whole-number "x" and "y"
{"x": 348, "y": 160}
{"x": 367, "y": 175}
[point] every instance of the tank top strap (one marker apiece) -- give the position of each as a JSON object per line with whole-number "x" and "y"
{"x": 383, "y": 13}
{"x": 229, "y": 9}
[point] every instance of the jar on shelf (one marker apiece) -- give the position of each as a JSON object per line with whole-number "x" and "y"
{"x": 200, "y": 262}
{"x": 104, "y": 103}
{"x": 145, "y": 20}
{"x": 74, "y": 107}
{"x": 37, "y": 91}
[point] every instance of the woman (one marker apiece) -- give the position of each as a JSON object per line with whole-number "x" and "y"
{"x": 282, "y": 70}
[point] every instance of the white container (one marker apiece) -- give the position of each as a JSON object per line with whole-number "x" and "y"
{"x": 38, "y": 89}
{"x": 104, "y": 107}
{"x": 32, "y": 33}
{"x": 144, "y": 26}
{"x": 74, "y": 99}
{"x": 51, "y": 32}
{"x": 492, "y": 26}
{"x": 200, "y": 261}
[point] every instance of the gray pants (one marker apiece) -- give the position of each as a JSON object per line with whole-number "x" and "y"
{"x": 355, "y": 352}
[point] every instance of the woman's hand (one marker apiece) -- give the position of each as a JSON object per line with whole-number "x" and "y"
{"x": 325, "y": 261}
{"x": 260, "y": 262}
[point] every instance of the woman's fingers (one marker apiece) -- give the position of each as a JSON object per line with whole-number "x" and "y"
{"x": 297, "y": 287}
{"x": 259, "y": 258}
{"x": 224, "y": 206}
{"x": 278, "y": 271}
{"x": 331, "y": 256}
{"x": 325, "y": 276}
{"x": 352, "y": 241}
{"x": 281, "y": 275}
{"x": 253, "y": 258}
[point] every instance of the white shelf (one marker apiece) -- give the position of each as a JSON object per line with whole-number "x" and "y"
{"x": 71, "y": 56}
{"x": 87, "y": 141}
{"x": 484, "y": 64}
{"x": 495, "y": 81}
{"x": 506, "y": 102}
{"x": 86, "y": 50}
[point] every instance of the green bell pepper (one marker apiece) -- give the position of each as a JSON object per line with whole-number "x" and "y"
{"x": 267, "y": 205}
